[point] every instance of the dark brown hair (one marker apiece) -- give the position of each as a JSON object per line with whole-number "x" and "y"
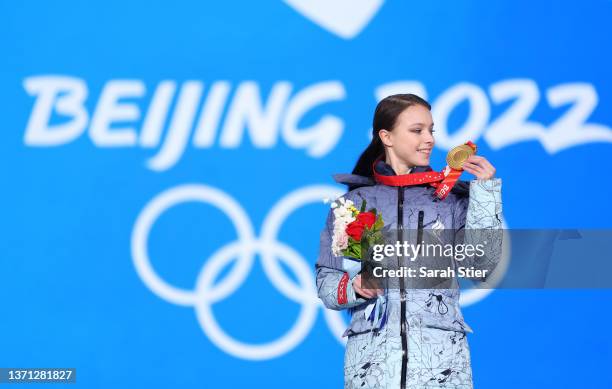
{"x": 385, "y": 117}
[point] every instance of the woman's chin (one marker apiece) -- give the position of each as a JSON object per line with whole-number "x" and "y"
{"x": 423, "y": 162}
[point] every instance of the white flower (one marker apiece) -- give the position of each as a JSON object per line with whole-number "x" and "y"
{"x": 343, "y": 215}
{"x": 342, "y": 241}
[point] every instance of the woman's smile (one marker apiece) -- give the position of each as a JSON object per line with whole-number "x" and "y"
{"x": 426, "y": 151}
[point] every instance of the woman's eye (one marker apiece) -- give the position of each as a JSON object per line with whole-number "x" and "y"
{"x": 419, "y": 130}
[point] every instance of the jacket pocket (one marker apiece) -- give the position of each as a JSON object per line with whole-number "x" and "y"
{"x": 450, "y": 324}
{"x": 359, "y": 324}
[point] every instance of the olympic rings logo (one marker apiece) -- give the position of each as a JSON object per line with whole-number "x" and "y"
{"x": 244, "y": 250}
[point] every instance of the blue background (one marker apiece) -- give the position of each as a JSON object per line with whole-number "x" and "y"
{"x": 70, "y": 294}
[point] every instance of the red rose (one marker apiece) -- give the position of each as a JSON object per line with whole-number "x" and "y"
{"x": 367, "y": 218}
{"x": 355, "y": 229}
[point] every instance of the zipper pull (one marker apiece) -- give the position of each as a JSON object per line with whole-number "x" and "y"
{"x": 420, "y": 227}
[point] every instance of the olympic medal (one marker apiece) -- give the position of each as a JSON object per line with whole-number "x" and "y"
{"x": 458, "y": 155}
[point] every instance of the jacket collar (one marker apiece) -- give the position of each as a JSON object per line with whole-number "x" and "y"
{"x": 355, "y": 180}
{"x": 386, "y": 170}
{"x": 381, "y": 167}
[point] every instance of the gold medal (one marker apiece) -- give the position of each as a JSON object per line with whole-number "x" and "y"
{"x": 458, "y": 155}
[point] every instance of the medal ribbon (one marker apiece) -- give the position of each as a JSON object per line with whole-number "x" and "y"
{"x": 443, "y": 181}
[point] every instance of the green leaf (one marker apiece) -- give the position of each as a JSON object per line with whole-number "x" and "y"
{"x": 379, "y": 223}
{"x": 353, "y": 250}
{"x": 363, "y": 203}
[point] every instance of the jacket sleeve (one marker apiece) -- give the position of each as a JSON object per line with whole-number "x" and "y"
{"x": 334, "y": 287}
{"x": 478, "y": 220}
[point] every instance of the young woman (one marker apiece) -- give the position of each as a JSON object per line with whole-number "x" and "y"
{"x": 421, "y": 342}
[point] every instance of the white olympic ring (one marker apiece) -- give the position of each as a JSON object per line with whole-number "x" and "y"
{"x": 245, "y": 249}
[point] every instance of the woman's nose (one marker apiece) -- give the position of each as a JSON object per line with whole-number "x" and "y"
{"x": 428, "y": 137}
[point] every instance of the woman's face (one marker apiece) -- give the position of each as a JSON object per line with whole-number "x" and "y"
{"x": 411, "y": 140}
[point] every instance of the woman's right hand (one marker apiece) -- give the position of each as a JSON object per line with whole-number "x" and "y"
{"x": 366, "y": 289}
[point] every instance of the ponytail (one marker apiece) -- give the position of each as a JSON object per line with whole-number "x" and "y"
{"x": 375, "y": 149}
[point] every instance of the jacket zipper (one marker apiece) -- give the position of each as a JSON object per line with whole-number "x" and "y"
{"x": 403, "y": 321}
{"x": 403, "y": 324}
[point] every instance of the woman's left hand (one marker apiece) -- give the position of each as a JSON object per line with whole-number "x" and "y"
{"x": 480, "y": 167}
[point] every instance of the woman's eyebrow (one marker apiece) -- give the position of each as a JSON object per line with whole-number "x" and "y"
{"x": 421, "y": 125}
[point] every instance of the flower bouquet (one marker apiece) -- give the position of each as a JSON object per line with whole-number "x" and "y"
{"x": 355, "y": 232}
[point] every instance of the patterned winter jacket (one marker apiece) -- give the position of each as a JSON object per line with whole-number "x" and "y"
{"x": 470, "y": 205}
